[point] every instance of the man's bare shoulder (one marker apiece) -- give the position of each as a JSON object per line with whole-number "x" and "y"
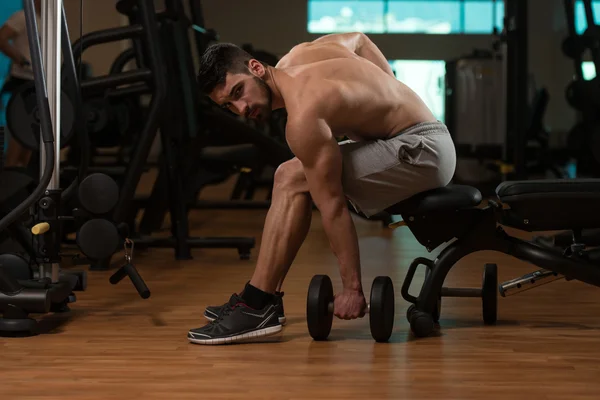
{"x": 311, "y": 52}
{"x": 315, "y": 97}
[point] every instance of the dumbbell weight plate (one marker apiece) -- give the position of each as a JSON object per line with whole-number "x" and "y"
{"x": 16, "y": 266}
{"x": 489, "y": 294}
{"x": 98, "y": 193}
{"x": 381, "y": 308}
{"x": 98, "y": 239}
{"x": 23, "y": 117}
{"x": 318, "y": 316}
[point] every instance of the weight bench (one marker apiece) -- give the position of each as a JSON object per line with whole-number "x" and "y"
{"x": 457, "y": 214}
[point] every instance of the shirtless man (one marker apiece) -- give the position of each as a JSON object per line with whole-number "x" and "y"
{"x": 338, "y": 85}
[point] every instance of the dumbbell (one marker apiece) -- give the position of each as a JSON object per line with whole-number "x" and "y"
{"x": 488, "y": 293}
{"x": 319, "y": 308}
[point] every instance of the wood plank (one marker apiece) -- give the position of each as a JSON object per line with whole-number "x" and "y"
{"x": 114, "y": 344}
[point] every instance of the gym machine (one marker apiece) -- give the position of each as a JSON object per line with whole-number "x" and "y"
{"x": 455, "y": 215}
{"x": 24, "y": 291}
{"x": 583, "y": 141}
{"x": 212, "y": 144}
{"x": 506, "y": 137}
{"x": 150, "y": 77}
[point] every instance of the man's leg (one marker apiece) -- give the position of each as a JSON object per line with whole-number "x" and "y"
{"x": 257, "y": 312}
{"x": 286, "y": 226}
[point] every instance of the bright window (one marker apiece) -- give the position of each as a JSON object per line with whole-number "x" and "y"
{"x": 427, "y": 79}
{"x": 580, "y": 19}
{"x": 589, "y": 70}
{"x": 405, "y": 16}
{"x": 326, "y": 16}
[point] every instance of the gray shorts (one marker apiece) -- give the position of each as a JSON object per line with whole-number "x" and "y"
{"x": 380, "y": 173}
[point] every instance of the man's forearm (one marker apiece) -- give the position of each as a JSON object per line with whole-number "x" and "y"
{"x": 341, "y": 232}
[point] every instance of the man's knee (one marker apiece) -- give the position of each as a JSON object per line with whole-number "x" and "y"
{"x": 290, "y": 177}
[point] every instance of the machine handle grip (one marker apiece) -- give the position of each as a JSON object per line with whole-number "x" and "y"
{"x": 411, "y": 274}
{"x": 41, "y": 228}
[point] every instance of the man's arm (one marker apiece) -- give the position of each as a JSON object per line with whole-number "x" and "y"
{"x": 311, "y": 140}
{"x": 6, "y": 34}
{"x": 361, "y": 45}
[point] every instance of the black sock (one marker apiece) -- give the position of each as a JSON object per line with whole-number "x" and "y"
{"x": 255, "y": 297}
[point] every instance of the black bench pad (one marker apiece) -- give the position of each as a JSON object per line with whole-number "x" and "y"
{"x": 451, "y": 197}
{"x": 551, "y": 204}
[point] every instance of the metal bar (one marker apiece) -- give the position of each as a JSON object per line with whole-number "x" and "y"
{"x": 197, "y": 242}
{"x": 516, "y": 79}
{"x": 138, "y": 159}
{"x": 51, "y": 36}
{"x": 460, "y": 292}
{"x": 130, "y": 91}
{"x": 231, "y": 204}
{"x": 52, "y": 60}
{"x": 82, "y": 138}
{"x": 105, "y": 36}
{"x": 572, "y": 268}
{"x": 112, "y": 81}
{"x": 528, "y": 281}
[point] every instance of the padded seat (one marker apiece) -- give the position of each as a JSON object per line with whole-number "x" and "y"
{"x": 447, "y": 198}
{"x": 551, "y": 204}
{"x": 548, "y": 189}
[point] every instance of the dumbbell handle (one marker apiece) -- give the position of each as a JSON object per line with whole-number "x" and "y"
{"x": 461, "y": 292}
{"x": 330, "y": 308}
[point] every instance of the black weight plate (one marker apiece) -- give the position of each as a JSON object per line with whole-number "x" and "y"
{"x": 23, "y": 119}
{"x": 16, "y": 266}
{"x": 381, "y": 312}
{"x": 98, "y": 193}
{"x": 98, "y": 239}
{"x": 96, "y": 110}
{"x": 489, "y": 294}
{"x": 318, "y": 317}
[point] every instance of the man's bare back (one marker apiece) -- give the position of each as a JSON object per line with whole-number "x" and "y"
{"x": 360, "y": 99}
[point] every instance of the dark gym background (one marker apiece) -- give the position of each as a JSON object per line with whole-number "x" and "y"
{"x": 276, "y": 26}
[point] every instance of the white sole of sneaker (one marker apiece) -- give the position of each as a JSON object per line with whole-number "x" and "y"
{"x": 282, "y": 320}
{"x": 233, "y": 339}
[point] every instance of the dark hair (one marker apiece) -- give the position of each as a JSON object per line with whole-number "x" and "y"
{"x": 217, "y": 61}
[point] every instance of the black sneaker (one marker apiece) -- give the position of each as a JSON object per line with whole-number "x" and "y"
{"x": 238, "y": 322}
{"x": 213, "y": 312}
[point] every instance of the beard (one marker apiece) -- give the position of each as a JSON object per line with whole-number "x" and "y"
{"x": 264, "y": 110}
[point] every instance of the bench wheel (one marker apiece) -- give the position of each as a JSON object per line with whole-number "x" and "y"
{"x": 489, "y": 294}
{"x": 421, "y": 323}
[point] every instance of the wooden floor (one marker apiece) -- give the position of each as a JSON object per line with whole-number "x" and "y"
{"x": 115, "y": 345}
